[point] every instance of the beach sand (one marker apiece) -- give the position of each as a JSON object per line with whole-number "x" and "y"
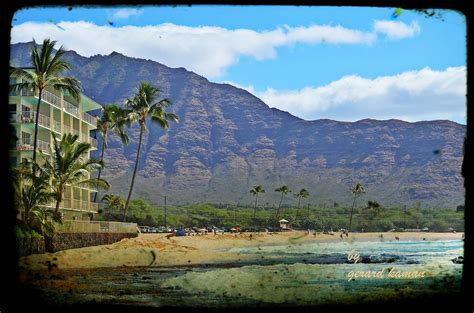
{"x": 156, "y": 250}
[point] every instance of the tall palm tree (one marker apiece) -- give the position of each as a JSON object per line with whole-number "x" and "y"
{"x": 303, "y": 193}
{"x": 256, "y": 190}
{"x": 139, "y": 108}
{"x": 283, "y": 190}
{"x": 47, "y": 66}
{"x": 112, "y": 118}
{"x": 67, "y": 166}
{"x": 356, "y": 191}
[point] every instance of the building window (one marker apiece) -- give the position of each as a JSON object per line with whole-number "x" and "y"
{"x": 25, "y": 138}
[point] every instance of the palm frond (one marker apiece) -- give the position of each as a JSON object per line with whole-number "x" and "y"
{"x": 95, "y": 183}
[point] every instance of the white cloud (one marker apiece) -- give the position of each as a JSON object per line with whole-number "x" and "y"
{"x": 412, "y": 96}
{"x": 126, "y": 13}
{"x": 206, "y": 50}
{"x": 396, "y": 29}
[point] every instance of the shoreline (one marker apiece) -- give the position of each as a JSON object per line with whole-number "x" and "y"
{"x": 158, "y": 251}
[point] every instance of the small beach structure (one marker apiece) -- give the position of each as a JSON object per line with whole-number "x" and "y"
{"x": 284, "y": 224}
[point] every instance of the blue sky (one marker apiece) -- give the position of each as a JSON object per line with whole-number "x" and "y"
{"x": 343, "y": 63}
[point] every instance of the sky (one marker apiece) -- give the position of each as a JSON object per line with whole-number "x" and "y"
{"x": 341, "y": 63}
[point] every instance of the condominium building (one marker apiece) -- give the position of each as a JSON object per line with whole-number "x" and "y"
{"x": 59, "y": 114}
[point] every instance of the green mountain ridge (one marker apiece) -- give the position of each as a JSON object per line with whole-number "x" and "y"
{"x": 229, "y": 140}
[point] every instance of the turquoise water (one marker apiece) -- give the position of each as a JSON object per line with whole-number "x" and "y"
{"x": 408, "y": 252}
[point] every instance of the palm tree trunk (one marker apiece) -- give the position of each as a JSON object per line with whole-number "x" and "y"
{"x": 298, "y": 209}
{"x": 101, "y": 160}
{"x": 35, "y": 140}
{"x": 352, "y": 209}
{"x": 134, "y": 173}
{"x": 255, "y": 209}
{"x": 279, "y": 206}
{"x": 58, "y": 201}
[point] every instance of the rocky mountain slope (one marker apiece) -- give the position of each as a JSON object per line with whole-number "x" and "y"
{"x": 228, "y": 140}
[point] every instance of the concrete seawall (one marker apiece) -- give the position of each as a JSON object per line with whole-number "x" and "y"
{"x": 64, "y": 241}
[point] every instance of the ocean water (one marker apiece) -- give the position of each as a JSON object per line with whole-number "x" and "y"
{"x": 295, "y": 274}
{"x": 383, "y": 251}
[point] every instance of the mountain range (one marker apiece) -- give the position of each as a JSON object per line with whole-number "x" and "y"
{"x": 228, "y": 140}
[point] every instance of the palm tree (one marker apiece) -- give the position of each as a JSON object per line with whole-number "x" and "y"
{"x": 31, "y": 195}
{"x": 67, "y": 166}
{"x": 256, "y": 190}
{"x": 356, "y": 191}
{"x": 303, "y": 193}
{"x": 113, "y": 202}
{"x": 374, "y": 208}
{"x": 47, "y": 66}
{"x": 139, "y": 108}
{"x": 112, "y": 118}
{"x": 284, "y": 190}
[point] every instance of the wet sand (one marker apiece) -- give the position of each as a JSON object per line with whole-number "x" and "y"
{"x": 156, "y": 250}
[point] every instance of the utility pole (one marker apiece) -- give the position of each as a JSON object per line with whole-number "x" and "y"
{"x": 165, "y": 210}
{"x": 404, "y": 217}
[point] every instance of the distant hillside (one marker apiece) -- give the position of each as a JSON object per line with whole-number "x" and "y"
{"x": 228, "y": 140}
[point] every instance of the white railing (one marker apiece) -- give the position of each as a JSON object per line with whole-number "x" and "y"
{"x": 76, "y": 204}
{"x": 94, "y": 206}
{"x": 51, "y": 98}
{"x": 56, "y": 126}
{"x": 70, "y": 130}
{"x": 24, "y": 92}
{"x": 89, "y": 119}
{"x": 71, "y": 109}
{"x": 27, "y": 117}
{"x": 27, "y": 145}
{"x": 71, "y": 226}
{"x": 66, "y": 203}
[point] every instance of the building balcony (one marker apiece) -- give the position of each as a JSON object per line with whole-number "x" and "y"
{"x": 89, "y": 119}
{"x": 50, "y": 98}
{"x": 70, "y": 130}
{"x": 57, "y": 126}
{"x": 71, "y": 109}
{"x": 27, "y": 145}
{"x": 46, "y": 96}
{"x": 78, "y": 205}
{"x": 29, "y": 117}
